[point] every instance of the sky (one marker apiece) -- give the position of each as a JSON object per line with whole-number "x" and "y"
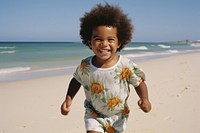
{"x": 58, "y": 20}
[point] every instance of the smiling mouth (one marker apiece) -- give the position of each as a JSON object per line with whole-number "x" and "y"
{"x": 104, "y": 51}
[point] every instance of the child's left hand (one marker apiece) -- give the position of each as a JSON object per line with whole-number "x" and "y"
{"x": 145, "y": 105}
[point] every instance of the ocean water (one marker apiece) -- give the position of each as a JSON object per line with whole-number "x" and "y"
{"x": 27, "y": 60}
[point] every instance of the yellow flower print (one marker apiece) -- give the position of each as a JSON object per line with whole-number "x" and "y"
{"x": 112, "y": 102}
{"x": 96, "y": 88}
{"x": 109, "y": 128}
{"x": 83, "y": 66}
{"x": 125, "y": 73}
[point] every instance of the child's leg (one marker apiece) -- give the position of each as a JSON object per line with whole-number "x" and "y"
{"x": 92, "y": 125}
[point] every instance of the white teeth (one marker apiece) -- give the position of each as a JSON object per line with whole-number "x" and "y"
{"x": 104, "y": 50}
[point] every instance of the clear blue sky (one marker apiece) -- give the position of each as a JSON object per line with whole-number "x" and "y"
{"x": 58, "y": 20}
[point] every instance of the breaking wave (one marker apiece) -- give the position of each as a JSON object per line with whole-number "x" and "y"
{"x": 14, "y": 70}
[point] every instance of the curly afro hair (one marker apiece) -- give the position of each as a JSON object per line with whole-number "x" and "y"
{"x": 110, "y": 16}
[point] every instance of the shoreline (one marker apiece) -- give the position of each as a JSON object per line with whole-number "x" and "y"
{"x": 173, "y": 83}
{"x": 26, "y": 73}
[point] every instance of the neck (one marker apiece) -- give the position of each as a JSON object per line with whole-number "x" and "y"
{"x": 105, "y": 63}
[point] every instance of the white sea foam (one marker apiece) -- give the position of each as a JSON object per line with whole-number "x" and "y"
{"x": 54, "y": 69}
{"x": 136, "y": 48}
{"x": 164, "y": 46}
{"x": 152, "y": 54}
{"x": 173, "y": 51}
{"x": 8, "y": 52}
{"x": 195, "y": 44}
{"x": 7, "y": 47}
{"x": 140, "y": 55}
{"x": 14, "y": 69}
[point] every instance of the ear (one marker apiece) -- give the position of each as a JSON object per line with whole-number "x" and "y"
{"x": 119, "y": 45}
{"x": 89, "y": 44}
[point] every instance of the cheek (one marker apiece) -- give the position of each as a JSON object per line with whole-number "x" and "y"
{"x": 116, "y": 45}
{"x": 93, "y": 46}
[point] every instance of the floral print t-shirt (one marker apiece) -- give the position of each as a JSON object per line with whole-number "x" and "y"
{"x": 107, "y": 89}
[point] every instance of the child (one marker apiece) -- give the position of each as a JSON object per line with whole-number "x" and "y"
{"x": 106, "y": 76}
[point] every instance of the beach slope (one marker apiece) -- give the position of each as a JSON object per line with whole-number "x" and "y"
{"x": 33, "y": 106}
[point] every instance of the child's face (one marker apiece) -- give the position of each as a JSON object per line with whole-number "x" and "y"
{"x": 104, "y": 42}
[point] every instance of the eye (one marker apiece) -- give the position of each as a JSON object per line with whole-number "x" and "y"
{"x": 96, "y": 39}
{"x": 111, "y": 40}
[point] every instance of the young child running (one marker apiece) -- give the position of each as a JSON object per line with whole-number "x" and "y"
{"x": 106, "y": 76}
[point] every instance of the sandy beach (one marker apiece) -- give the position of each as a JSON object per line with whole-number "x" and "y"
{"x": 33, "y": 106}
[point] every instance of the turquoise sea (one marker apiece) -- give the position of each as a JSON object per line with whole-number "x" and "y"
{"x": 27, "y": 60}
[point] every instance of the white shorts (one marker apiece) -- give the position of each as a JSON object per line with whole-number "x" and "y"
{"x": 101, "y": 123}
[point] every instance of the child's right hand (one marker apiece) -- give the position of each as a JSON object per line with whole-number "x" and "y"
{"x": 65, "y": 107}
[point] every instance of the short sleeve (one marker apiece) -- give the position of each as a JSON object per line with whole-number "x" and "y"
{"x": 77, "y": 74}
{"x": 82, "y": 71}
{"x": 138, "y": 76}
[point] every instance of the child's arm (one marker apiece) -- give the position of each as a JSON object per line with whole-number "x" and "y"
{"x": 144, "y": 102}
{"x": 74, "y": 86}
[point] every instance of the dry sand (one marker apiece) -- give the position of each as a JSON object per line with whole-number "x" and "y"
{"x": 33, "y": 106}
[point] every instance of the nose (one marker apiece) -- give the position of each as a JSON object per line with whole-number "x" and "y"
{"x": 104, "y": 43}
